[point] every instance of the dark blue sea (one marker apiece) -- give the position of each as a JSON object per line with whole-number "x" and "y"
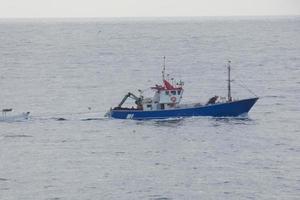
{"x": 69, "y": 72}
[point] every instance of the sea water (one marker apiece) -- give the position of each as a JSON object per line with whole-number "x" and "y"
{"x": 69, "y": 72}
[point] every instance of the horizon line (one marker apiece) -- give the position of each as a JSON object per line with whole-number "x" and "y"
{"x": 171, "y": 16}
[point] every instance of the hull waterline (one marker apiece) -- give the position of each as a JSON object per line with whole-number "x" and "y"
{"x": 229, "y": 109}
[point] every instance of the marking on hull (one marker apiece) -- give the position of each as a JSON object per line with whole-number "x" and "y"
{"x": 129, "y": 116}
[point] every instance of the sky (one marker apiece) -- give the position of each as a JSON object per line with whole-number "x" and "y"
{"x": 145, "y": 8}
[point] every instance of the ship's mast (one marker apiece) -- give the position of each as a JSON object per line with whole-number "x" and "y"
{"x": 229, "y": 81}
{"x": 164, "y": 68}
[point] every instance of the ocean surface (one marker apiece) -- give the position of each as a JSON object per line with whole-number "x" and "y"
{"x": 69, "y": 72}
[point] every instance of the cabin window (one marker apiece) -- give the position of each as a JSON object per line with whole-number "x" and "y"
{"x": 162, "y": 106}
{"x": 167, "y": 92}
{"x": 148, "y": 106}
{"x": 173, "y": 92}
{"x": 178, "y": 92}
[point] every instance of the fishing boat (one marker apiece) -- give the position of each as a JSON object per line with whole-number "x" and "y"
{"x": 7, "y": 117}
{"x": 166, "y": 103}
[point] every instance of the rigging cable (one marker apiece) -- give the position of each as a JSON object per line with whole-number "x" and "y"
{"x": 243, "y": 85}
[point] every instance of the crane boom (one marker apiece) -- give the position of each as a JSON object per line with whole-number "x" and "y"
{"x": 138, "y": 100}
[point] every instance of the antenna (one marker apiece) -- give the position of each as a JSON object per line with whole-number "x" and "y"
{"x": 229, "y": 81}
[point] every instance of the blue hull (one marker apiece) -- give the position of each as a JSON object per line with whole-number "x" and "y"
{"x": 229, "y": 109}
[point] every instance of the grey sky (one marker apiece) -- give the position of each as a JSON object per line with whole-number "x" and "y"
{"x": 148, "y": 8}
